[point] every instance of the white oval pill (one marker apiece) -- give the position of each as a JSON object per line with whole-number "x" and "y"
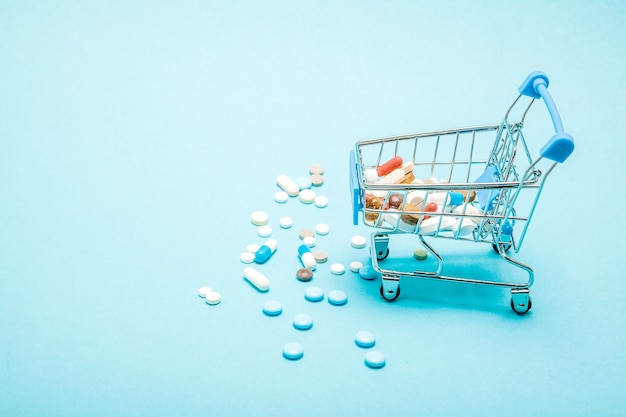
{"x": 259, "y": 218}
{"x": 256, "y": 278}
{"x": 203, "y": 291}
{"x": 288, "y": 185}
{"x": 264, "y": 231}
{"x": 213, "y": 298}
{"x": 320, "y": 201}
{"x": 322, "y": 229}
{"x": 307, "y": 196}
{"x": 281, "y": 197}
{"x": 286, "y": 222}
{"x": 337, "y": 269}
{"x": 247, "y": 257}
{"x": 358, "y": 241}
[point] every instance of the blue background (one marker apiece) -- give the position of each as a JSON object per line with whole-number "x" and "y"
{"x": 138, "y": 137}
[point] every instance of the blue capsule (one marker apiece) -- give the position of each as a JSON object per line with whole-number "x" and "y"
{"x": 265, "y": 251}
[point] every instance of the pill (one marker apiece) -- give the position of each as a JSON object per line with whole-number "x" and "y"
{"x": 374, "y": 359}
{"x": 468, "y": 196}
{"x": 314, "y": 294}
{"x": 322, "y": 229}
{"x": 309, "y": 241}
{"x": 256, "y": 278}
{"x": 320, "y": 201}
{"x": 447, "y": 198}
{"x": 252, "y": 247}
{"x": 365, "y": 339}
{"x": 203, "y": 291}
{"x": 337, "y": 269}
{"x": 358, "y": 241}
{"x": 281, "y": 197}
{"x": 420, "y": 253}
{"x": 247, "y": 257}
{"x": 389, "y": 166}
{"x": 316, "y": 169}
{"x": 272, "y": 308}
{"x": 265, "y": 251}
{"x": 370, "y": 176}
{"x": 303, "y": 183}
{"x": 429, "y": 225}
{"x": 286, "y": 222}
{"x": 408, "y": 167}
{"x": 369, "y": 272}
{"x": 259, "y": 218}
{"x": 307, "y": 196}
{"x": 394, "y": 177}
{"x": 317, "y": 180}
{"x": 304, "y": 274}
{"x": 463, "y": 227}
{"x": 306, "y": 257}
{"x": 213, "y": 298}
{"x": 306, "y": 232}
{"x": 472, "y": 212}
{"x": 293, "y": 351}
{"x": 303, "y": 321}
{"x": 320, "y": 256}
{"x": 337, "y": 297}
{"x": 264, "y": 231}
{"x": 355, "y": 266}
{"x": 431, "y": 207}
{"x": 287, "y": 185}
{"x": 395, "y": 200}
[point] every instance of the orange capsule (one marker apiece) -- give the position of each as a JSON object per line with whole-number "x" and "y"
{"x": 390, "y": 165}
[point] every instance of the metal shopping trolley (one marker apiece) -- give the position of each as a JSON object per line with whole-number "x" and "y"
{"x": 475, "y": 184}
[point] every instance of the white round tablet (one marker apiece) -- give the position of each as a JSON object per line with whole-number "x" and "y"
{"x": 259, "y": 218}
{"x": 309, "y": 241}
{"x": 213, "y": 298}
{"x": 264, "y": 231}
{"x": 307, "y": 196}
{"x": 281, "y": 197}
{"x": 320, "y": 201}
{"x": 252, "y": 247}
{"x": 247, "y": 257}
{"x": 322, "y": 229}
{"x": 355, "y": 266}
{"x": 203, "y": 291}
{"x": 337, "y": 269}
{"x": 286, "y": 222}
{"x": 358, "y": 241}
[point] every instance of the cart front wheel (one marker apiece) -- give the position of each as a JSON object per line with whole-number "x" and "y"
{"x": 505, "y": 246}
{"x": 380, "y": 255}
{"x": 389, "y": 294}
{"x": 521, "y": 308}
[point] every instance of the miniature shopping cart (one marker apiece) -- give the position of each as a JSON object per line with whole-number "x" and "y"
{"x": 475, "y": 184}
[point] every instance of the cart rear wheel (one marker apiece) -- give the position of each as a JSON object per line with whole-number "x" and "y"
{"x": 390, "y": 295}
{"x": 506, "y": 247}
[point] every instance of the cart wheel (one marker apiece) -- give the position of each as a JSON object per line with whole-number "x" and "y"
{"x": 505, "y": 246}
{"x": 380, "y": 255}
{"x": 522, "y": 308}
{"x": 393, "y": 296}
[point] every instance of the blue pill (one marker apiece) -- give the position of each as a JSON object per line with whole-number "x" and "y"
{"x": 374, "y": 359}
{"x": 272, "y": 308}
{"x": 337, "y": 297}
{"x": 368, "y": 272}
{"x": 293, "y": 351}
{"x": 304, "y": 182}
{"x": 314, "y": 294}
{"x": 303, "y": 322}
{"x": 365, "y": 339}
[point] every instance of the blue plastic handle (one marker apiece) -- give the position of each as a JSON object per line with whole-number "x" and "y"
{"x": 561, "y": 145}
{"x": 355, "y": 189}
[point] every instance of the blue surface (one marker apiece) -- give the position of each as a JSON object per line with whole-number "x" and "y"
{"x": 138, "y": 137}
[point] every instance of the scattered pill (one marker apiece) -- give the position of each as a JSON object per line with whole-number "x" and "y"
{"x": 287, "y": 185}
{"x": 390, "y": 165}
{"x": 293, "y": 351}
{"x": 309, "y": 241}
{"x": 304, "y": 274}
{"x": 368, "y": 272}
{"x": 320, "y": 256}
{"x": 259, "y": 218}
{"x": 213, "y": 298}
{"x": 420, "y": 253}
{"x": 303, "y": 321}
{"x": 265, "y": 251}
{"x": 374, "y": 359}
{"x": 281, "y": 197}
{"x": 317, "y": 180}
{"x": 252, "y": 247}
{"x": 307, "y": 196}
{"x": 358, "y": 241}
{"x": 322, "y": 229}
{"x": 306, "y": 232}
{"x": 203, "y": 291}
{"x": 306, "y": 257}
{"x": 272, "y": 308}
{"x": 314, "y": 294}
{"x": 286, "y": 222}
{"x": 247, "y": 257}
{"x": 365, "y": 339}
{"x": 337, "y": 297}
{"x": 256, "y": 278}
{"x": 303, "y": 183}
{"x": 337, "y": 269}
{"x": 264, "y": 231}
{"x": 320, "y": 201}
{"x": 355, "y": 266}
{"x": 316, "y": 169}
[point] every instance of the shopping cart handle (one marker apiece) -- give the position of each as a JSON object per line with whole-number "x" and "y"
{"x": 561, "y": 145}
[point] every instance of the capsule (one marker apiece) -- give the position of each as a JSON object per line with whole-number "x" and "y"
{"x": 288, "y": 185}
{"x": 265, "y": 251}
{"x": 254, "y": 277}
{"x": 306, "y": 257}
{"x": 390, "y": 165}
